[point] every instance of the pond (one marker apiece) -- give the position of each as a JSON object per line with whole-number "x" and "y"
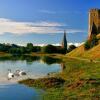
{"x": 35, "y": 67}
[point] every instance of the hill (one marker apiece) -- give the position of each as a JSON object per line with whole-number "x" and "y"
{"x": 93, "y": 53}
{"x": 77, "y": 52}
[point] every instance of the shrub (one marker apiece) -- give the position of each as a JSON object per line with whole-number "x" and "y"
{"x": 71, "y": 47}
{"x": 87, "y": 45}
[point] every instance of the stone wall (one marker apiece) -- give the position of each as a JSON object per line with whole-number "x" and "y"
{"x": 94, "y": 17}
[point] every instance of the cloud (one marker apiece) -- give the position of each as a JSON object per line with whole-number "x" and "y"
{"x": 75, "y": 31}
{"x": 60, "y": 12}
{"x": 47, "y": 11}
{"x": 42, "y": 27}
{"x": 76, "y": 43}
{"x": 59, "y": 44}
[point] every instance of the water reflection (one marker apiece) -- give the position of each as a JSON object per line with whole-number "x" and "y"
{"x": 34, "y": 66}
{"x": 30, "y": 59}
{"x": 49, "y": 60}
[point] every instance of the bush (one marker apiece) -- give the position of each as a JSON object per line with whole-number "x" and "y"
{"x": 53, "y": 49}
{"x": 49, "y": 49}
{"x": 87, "y": 45}
{"x": 71, "y": 47}
{"x": 91, "y": 43}
{"x": 29, "y": 47}
{"x": 94, "y": 41}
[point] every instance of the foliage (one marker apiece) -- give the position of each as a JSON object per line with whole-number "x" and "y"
{"x": 53, "y": 49}
{"x": 91, "y": 43}
{"x": 36, "y": 49}
{"x": 94, "y": 41}
{"x": 29, "y": 47}
{"x": 71, "y": 47}
{"x": 87, "y": 45}
{"x": 19, "y": 50}
{"x": 49, "y": 49}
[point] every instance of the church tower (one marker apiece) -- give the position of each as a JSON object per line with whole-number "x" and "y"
{"x": 94, "y": 22}
{"x": 64, "y": 41}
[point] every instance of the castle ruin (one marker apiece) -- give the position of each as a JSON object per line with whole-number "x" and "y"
{"x": 94, "y": 22}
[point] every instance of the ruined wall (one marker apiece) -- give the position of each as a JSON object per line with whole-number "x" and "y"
{"x": 94, "y": 17}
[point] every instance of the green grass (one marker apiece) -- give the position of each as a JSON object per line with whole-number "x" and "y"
{"x": 82, "y": 82}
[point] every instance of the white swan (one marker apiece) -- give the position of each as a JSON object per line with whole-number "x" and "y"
{"x": 10, "y": 74}
{"x": 20, "y": 73}
{"x": 17, "y": 73}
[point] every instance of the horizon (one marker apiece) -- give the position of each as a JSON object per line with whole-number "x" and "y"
{"x": 44, "y": 22}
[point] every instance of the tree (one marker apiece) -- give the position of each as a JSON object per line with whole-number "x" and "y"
{"x": 94, "y": 41}
{"x": 36, "y": 49}
{"x": 49, "y": 49}
{"x": 29, "y": 47}
{"x": 87, "y": 45}
{"x": 71, "y": 47}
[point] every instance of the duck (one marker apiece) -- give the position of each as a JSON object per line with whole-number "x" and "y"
{"x": 10, "y": 74}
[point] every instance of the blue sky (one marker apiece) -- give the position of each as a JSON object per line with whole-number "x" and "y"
{"x": 43, "y": 21}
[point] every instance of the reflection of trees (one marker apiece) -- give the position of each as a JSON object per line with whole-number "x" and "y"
{"x": 49, "y": 60}
{"x": 22, "y": 57}
{"x": 29, "y": 59}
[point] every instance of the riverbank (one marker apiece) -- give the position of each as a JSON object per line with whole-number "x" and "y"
{"x": 79, "y": 78}
{"x": 82, "y": 81}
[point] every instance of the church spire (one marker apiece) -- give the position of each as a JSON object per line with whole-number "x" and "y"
{"x": 64, "y": 41}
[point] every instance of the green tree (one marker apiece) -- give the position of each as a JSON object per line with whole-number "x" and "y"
{"x": 71, "y": 47}
{"x": 29, "y": 47}
{"x": 94, "y": 41}
{"x": 49, "y": 49}
{"x": 87, "y": 45}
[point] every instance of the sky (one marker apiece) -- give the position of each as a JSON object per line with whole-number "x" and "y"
{"x": 44, "y": 21}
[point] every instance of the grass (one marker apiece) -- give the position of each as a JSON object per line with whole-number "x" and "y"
{"x": 44, "y": 83}
{"x": 81, "y": 81}
{"x": 4, "y": 54}
{"x": 93, "y": 53}
{"x": 76, "y": 52}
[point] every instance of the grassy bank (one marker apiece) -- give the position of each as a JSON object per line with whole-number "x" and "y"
{"x": 2, "y": 54}
{"x": 81, "y": 81}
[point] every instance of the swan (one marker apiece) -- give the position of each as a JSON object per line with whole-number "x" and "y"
{"x": 20, "y": 73}
{"x": 17, "y": 73}
{"x": 10, "y": 74}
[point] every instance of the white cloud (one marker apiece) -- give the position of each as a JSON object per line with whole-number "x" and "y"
{"x": 76, "y": 44}
{"x": 59, "y": 44}
{"x": 59, "y": 12}
{"x": 42, "y": 27}
{"x": 47, "y": 11}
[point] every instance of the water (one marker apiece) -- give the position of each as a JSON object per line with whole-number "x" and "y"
{"x": 35, "y": 68}
{"x": 18, "y": 92}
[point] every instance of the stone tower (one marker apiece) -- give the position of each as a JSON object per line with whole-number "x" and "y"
{"x": 94, "y": 22}
{"x": 64, "y": 41}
